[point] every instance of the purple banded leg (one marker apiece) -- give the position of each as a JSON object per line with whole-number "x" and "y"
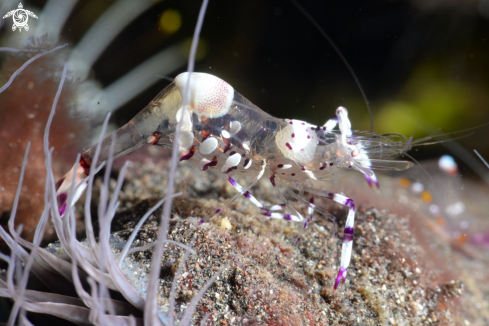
{"x": 273, "y": 207}
{"x": 268, "y": 210}
{"x": 347, "y": 236}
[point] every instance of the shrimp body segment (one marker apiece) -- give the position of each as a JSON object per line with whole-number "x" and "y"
{"x": 222, "y": 130}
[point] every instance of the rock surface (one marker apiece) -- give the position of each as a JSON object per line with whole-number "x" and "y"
{"x": 395, "y": 277}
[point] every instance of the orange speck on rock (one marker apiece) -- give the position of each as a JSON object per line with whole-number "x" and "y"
{"x": 427, "y": 197}
{"x": 403, "y": 182}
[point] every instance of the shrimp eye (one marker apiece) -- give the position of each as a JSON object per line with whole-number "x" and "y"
{"x": 355, "y": 152}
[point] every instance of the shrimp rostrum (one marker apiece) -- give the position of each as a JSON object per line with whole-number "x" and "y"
{"x": 222, "y": 130}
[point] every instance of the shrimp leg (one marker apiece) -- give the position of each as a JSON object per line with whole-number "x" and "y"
{"x": 346, "y": 133}
{"x": 255, "y": 201}
{"x": 347, "y": 236}
{"x": 347, "y": 233}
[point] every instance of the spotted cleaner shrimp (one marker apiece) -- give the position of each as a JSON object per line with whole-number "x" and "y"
{"x": 222, "y": 130}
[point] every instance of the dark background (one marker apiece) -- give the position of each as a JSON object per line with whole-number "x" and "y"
{"x": 420, "y": 55}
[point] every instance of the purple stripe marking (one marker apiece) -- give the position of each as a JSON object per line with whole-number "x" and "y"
{"x": 341, "y": 277}
{"x": 369, "y": 180}
{"x": 226, "y": 148}
{"x": 350, "y": 203}
{"x": 231, "y": 169}
{"x": 272, "y": 180}
{"x": 210, "y": 164}
{"x": 297, "y": 241}
{"x": 287, "y": 217}
{"x": 232, "y": 181}
{"x": 330, "y": 195}
{"x": 58, "y": 184}
{"x": 267, "y": 214}
{"x": 202, "y": 221}
{"x": 217, "y": 211}
{"x": 348, "y": 234}
{"x": 62, "y": 198}
{"x": 186, "y": 157}
{"x": 247, "y": 194}
{"x": 62, "y": 209}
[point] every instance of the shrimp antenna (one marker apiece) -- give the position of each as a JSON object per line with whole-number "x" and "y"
{"x": 482, "y": 159}
{"x": 164, "y": 77}
{"x": 410, "y": 139}
{"x": 333, "y": 45}
{"x": 418, "y": 141}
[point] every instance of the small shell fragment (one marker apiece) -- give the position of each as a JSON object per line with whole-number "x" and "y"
{"x": 208, "y": 146}
{"x": 226, "y": 224}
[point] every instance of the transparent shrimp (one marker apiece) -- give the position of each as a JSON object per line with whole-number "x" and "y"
{"x": 223, "y": 130}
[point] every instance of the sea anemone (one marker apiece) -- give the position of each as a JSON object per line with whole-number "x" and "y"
{"x": 94, "y": 258}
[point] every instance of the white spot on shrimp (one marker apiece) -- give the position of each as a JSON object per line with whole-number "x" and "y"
{"x": 187, "y": 121}
{"x": 225, "y": 134}
{"x": 247, "y": 163}
{"x": 310, "y": 174}
{"x": 296, "y": 142}
{"x": 234, "y": 127}
{"x": 209, "y": 95}
{"x": 186, "y": 140}
{"x": 208, "y": 146}
{"x": 233, "y": 160}
{"x": 284, "y": 166}
{"x": 246, "y": 146}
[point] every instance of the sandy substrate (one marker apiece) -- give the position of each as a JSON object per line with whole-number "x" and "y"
{"x": 405, "y": 270}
